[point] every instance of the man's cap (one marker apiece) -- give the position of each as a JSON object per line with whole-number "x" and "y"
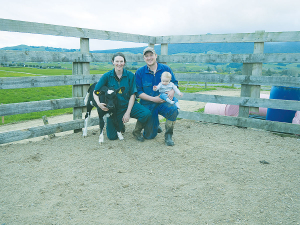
{"x": 149, "y": 49}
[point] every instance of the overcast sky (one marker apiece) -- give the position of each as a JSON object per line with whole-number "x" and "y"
{"x": 154, "y": 18}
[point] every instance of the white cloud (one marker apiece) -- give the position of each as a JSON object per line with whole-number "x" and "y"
{"x": 155, "y": 18}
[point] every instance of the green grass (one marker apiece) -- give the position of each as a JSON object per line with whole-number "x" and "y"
{"x": 24, "y": 71}
{"x": 35, "y": 94}
{"x": 194, "y": 89}
{"x": 28, "y": 72}
{"x": 201, "y": 110}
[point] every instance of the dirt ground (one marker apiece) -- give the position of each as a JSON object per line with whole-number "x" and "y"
{"x": 215, "y": 174}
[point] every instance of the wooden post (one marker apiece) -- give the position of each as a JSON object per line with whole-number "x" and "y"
{"x": 2, "y": 116}
{"x": 164, "y": 51}
{"x": 85, "y": 48}
{"x": 45, "y": 120}
{"x": 257, "y": 71}
{"x": 151, "y": 45}
{"x": 80, "y": 68}
{"x": 250, "y": 69}
{"x": 245, "y": 90}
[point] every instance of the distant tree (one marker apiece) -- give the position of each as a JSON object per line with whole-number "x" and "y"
{"x": 292, "y": 73}
{"x": 238, "y": 72}
{"x": 284, "y": 72}
{"x": 235, "y": 65}
{"x": 269, "y": 72}
{"x": 220, "y": 70}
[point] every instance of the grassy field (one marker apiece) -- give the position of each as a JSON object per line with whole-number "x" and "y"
{"x": 47, "y": 93}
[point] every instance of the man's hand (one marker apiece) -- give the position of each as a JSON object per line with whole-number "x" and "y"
{"x": 157, "y": 99}
{"x": 171, "y": 94}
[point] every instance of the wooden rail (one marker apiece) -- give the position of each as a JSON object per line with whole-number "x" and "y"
{"x": 251, "y": 80}
{"x": 48, "y": 81}
{"x": 56, "y": 30}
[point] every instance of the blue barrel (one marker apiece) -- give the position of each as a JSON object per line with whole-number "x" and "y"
{"x": 285, "y": 93}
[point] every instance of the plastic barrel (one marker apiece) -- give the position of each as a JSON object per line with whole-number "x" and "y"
{"x": 285, "y": 93}
{"x": 221, "y": 109}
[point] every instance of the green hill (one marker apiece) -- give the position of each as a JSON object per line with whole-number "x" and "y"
{"x": 205, "y": 48}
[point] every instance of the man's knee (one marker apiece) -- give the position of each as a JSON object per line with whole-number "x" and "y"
{"x": 172, "y": 113}
{"x": 144, "y": 117}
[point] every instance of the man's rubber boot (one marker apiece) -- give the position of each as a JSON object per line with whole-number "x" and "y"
{"x": 169, "y": 132}
{"x": 159, "y": 130}
{"x": 137, "y": 131}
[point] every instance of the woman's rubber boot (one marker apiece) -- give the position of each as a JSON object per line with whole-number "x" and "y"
{"x": 137, "y": 131}
{"x": 169, "y": 132}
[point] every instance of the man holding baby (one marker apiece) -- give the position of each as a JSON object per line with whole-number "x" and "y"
{"x": 147, "y": 77}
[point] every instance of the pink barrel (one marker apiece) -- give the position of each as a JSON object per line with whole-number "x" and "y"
{"x": 230, "y": 110}
{"x": 262, "y": 110}
{"x": 296, "y": 119}
{"x": 221, "y": 109}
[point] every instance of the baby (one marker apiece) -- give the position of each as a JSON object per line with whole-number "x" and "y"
{"x": 166, "y": 85}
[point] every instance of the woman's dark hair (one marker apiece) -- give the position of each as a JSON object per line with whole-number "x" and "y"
{"x": 118, "y": 54}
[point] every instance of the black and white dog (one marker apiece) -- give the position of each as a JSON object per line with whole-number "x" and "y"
{"x": 107, "y": 96}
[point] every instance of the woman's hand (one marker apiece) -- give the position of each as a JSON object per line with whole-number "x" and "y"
{"x": 126, "y": 117}
{"x": 102, "y": 106}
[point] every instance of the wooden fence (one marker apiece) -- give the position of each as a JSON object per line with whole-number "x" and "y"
{"x": 250, "y": 81}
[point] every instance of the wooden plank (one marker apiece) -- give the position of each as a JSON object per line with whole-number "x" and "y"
{"x": 39, "y": 106}
{"x": 57, "y": 30}
{"x": 47, "y": 81}
{"x": 229, "y": 38}
{"x": 243, "y": 101}
{"x": 240, "y": 79}
{"x": 65, "y": 31}
{"x": 18, "y": 135}
{"x": 242, "y": 122}
{"x": 231, "y": 58}
{"x": 33, "y": 56}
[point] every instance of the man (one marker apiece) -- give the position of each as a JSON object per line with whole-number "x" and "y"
{"x": 147, "y": 77}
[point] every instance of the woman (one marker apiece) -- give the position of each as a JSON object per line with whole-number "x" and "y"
{"x": 127, "y": 106}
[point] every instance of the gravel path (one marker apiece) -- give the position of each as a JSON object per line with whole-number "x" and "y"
{"x": 215, "y": 174}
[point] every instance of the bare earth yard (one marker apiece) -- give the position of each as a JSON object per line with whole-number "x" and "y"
{"x": 214, "y": 174}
